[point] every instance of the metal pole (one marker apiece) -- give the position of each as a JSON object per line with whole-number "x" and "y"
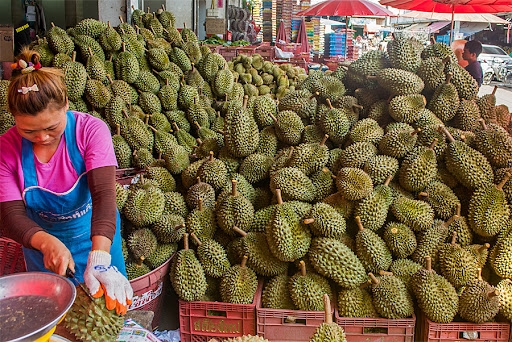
{"x": 346, "y": 37}
{"x": 451, "y": 30}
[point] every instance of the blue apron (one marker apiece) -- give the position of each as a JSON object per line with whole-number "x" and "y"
{"x": 66, "y": 215}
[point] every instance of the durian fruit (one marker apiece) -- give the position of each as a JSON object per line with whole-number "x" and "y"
{"x": 137, "y": 269}
{"x": 441, "y": 198}
{"x": 353, "y": 183}
{"x": 213, "y": 171}
{"x": 400, "y": 239}
{"x": 399, "y": 82}
{"x": 356, "y": 155}
{"x": 324, "y": 220}
{"x": 335, "y": 123}
{"x": 495, "y": 143}
{"x": 212, "y": 256}
{"x": 479, "y": 302}
{"x": 310, "y": 158}
{"x": 405, "y": 269}
{"x": 307, "y": 289}
{"x": 430, "y": 241}
{"x": 466, "y": 85}
{"x": 405, "y": 53}
{"x": 419, "y": 168}
{"x": 276, "y": 294}
{"x": 469, "y": 166}
{"x": 371, "y": 249}
{"x": 489, "y": 211}
{"x": 234, "y": 209}
{"x": 380, "y": 167}
{"x": 142, "y": 243}
{"x": 501, "y": 253}
{"x": 373, "y": 210}
{"x": 356, "y": 302}
{"x": 294, "y": 184}
{"x": 169, "y": 228}
{"x": 255, "y": 167}
{"x": 145, "y": 204}
{"x": 90, "y": 320}
{"x": 435, "y": 296}
{"x": 445, "y": 101}
{"x": 328, "y": 331}
{"x": 200, "y": 191}
{"x": 504, "y": 287}
{"x": 241, "y": 132}
{"x": 390, "y": 297}
{"x": 461, "y": 227}
{"x": 255, "y": 246}
{"x": 187, "y": 274}
{"x": 418, "y": 215}
{"x": 398, "y": 143}
{"x": 457, "y": 264}
{"x": 407, "y": 108}
{"x": 75, "y": 77}
{"x": 288, "y": 126}
{"x": 287, "y": 236}
{"x": 335, "y": 260}
{"x": 239, "y": 284}
{"x": 162, "y": 254}
{"x": 201, "y": 221}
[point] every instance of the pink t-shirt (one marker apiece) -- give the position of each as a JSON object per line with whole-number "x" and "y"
{"x": 94, "y": 142}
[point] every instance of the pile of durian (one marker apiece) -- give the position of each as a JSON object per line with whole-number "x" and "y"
{"x": 384, "y": 184}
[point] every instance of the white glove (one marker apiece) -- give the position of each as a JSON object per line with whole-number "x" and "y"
{"x": 103, "y": 278}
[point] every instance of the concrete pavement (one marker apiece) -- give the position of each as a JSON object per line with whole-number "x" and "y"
{"x": 503, "y": 93}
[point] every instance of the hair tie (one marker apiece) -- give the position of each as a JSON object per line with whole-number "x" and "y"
{"x": 26, "y": 67}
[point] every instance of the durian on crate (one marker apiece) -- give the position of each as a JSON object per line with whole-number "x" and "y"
{"x": 428, "y": 331}
{"x": 202, "y": 321}
{"x": 377, "y": 329}
{"x": 280, "y": 325}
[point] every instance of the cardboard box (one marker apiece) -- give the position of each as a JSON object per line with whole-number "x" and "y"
{"x": 6, "y": 43}
{"x": 215, "y": 26}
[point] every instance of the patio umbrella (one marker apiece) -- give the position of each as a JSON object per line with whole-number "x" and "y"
{"x": 468, "y": 17}
{"x": 281, "y": 33}
{"x": 346, "y": 8}
{"x": 302, "y": 37}
{"x": 451, "y": 6}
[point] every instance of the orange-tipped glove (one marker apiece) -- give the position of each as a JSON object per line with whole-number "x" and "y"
{"x": 103, "y": 278}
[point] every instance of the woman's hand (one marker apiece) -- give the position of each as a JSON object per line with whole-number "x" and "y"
{"x": 56, "y": 256}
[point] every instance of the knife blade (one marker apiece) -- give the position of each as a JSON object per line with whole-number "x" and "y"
{"x": 71, "y": 275}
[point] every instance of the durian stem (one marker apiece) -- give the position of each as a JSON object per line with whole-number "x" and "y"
{"x": 118, "y": 129}
{"x": 246, "y": 100}
{"x": 359, "y": 223}
{"x": 163, "y": 7}
{"x": 388, "y": 180}
{"x": 273, "y": 117}
{"x": 394, "y": 230}
{"x": 494, "y": 293}
{"x": 385, "y": 273}
{"x": 73, "y": 56}
{"x": 327, "y": 309}
{"x": 443, "y": 129}
{"x": 140, "y": 261}
{"x": 148, "y": 9}
{"x": 479, "y": 273}
{"x": 494, "y": 90}
{"x": 121, "y": 19}
{"x": 457, "y": 209}
{"x": 423, "y": 194}
{"x": 302, "y": 266}
{"x": 239, "y": 231}
{"x": 195, "y": 122}
{"x": 433, "y": 144}
{"x": 109, "y": 78}
{"x": 503, "y": 181}
{"x": 428, "y": 261}
{"x": 244, "y": 261}
{"x": 416, "y": 131}
{"x": 200, "y": 204}
{"x": 309, "y": 220}
{"x": 278, "y": 196}
{"x": 233, "y": 187}
{"x": 175, "y": 126}
{"x": 123, "y": 47}
{"x": 454, "y": 238}
{"x": 153, "y": 128}
{"x": 329, "y": 103}
{"x": 482, "y": 122}
{"x": 484, "y": 247}
{"x": 448, "y": 77}
{"x": 324, "y": 140}
{"x": 146, "y": 121}
{"x": 211, "y": 156}
{"x": 451, "y": 219}
{"x": 185, "y": 241}
{"x": 374, "y": 279}
{"x": 195, "y": 238}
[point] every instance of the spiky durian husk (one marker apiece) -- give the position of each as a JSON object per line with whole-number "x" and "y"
{"x": 91, "y": 321}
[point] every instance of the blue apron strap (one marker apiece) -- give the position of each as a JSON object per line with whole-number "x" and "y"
{"x": 73, "y": 151}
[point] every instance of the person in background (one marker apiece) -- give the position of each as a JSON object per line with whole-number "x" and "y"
{"x": 58, "y": 198}
{"x": 471, "y": 51}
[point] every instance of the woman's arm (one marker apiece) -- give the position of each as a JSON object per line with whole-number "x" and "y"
{"x": 103, "y": 192}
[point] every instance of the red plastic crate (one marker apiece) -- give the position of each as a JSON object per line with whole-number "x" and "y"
{"x": 267, "y": 52}
{"x": 377, "y": 329}
{"x": 11, "y": 257}
{"x": 248, "y": 50}
{"x": 227, "y": 52}
{"x": 202, "y": 321}
{"x": 428, "y": 331}
{"x": 279, "y": 325}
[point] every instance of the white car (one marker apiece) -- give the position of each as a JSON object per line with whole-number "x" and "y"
{"x": 495, "y": 62}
